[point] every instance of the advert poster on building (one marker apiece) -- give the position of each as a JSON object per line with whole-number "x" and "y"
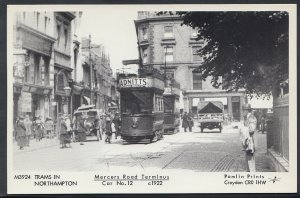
{"x": 151, "y": 98}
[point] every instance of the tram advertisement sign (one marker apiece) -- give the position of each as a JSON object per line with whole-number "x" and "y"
{"x": 134, "y": 82}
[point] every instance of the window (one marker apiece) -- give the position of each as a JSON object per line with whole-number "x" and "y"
{"x": 145, "y": 56}
{"x": 169, "y": 54}
{"x": 46, "y": 78}
{"x": 168, "y": 32}
{"x": 37, "y": 72}
{"x": 66, "y": 37}
{"x": 196, "y": 56}
{"x": 58, "y": 29}
{"x": 46, "y": 21}
{"x": 144, "y": 33}
{"x": 37, "y": 19}
{"x": 197, "y": 80}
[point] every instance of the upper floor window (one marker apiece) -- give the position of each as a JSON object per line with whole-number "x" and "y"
{"x": 168, "y": 32}
{"x": 66, "y": 37}
{"x": 144, "y": 33}
{"x": 196, "y": 56}
{"x": 46, "y": 23}
{"x": 37, "y": 19}
{"x": 169, "y": 54}
{"x": 58, "y": 30}
{"x": 145, "y": 56}
{"x": 197, "y": 80}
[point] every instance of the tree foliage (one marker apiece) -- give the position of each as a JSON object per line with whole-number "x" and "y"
{"x": 248, "y": 49}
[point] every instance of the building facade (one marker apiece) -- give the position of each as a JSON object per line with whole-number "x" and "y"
{"x": 33, "y": 56}
{"x": 103, "y": 84}
{"x": 76, "y": 63}
{"x": 166, "y": 45}
{"x": 42, "y": 63}
{"x": 62, "y": 62}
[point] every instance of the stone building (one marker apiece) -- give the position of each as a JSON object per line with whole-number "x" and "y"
{"x": 172, "y": 48}
{"x": 103, "y": 84}
{"x": 62, "y": 61}
{"x": 76, "y": 60}
{"x": 42, "y": 67}
{"x": 33, "y": 67}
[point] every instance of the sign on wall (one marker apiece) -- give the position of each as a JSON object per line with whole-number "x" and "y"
{"x": 134, "y": 82}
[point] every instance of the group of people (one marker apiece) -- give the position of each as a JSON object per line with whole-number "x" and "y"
{"x": 79, "y": 127}
{"x": 25, "y": 129}
{"x": 187, "y": 121}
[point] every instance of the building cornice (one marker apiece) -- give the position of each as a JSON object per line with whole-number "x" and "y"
{"x": 36, "y": 32}
{"x": 63, "y": 67}
{"x": 158, "y": 18}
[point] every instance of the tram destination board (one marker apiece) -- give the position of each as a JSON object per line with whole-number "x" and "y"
{"x": 140, "y": 82}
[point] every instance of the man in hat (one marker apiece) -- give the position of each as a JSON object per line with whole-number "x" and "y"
{"x": 49, "y": 127}
{"x": 80, "y": 127}
{"x": 108, "y": 130}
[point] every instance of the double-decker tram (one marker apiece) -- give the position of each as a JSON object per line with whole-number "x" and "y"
{"x": 142, "y": 108}
{"x": 171, "y": 108}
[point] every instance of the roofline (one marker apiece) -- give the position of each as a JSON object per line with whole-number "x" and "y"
{"x": 153, "y": 19}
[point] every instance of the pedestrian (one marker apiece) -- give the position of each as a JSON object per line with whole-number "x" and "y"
{"x": 27, "y": 123}
{"x": 108, "y": 130}
{"x": 103, "y": 123}
{"x": 247, "y": 132}
{"x": 21, "y": 133}
{"x": 190, "y": 121}
{"x": 185, "y": 121}
{"x": 64, "y": 136}
{"x": 39, "y": 128}
{"x": 117, "y": 124}
{"x": 263, "y": 123}
{"x": 81, "y": 129}
{"x": 252, "y": 127}
{"x": 98, "y": 128}
{"x": 49, "y": 127}
{"x": 69, "y": 128}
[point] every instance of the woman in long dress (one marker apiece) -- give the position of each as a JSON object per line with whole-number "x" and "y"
{"x": 28, "y": 123}
{"x": 64, "y": 136}
{"x": 39, "y": 128}
{"x": 21, "y": 133}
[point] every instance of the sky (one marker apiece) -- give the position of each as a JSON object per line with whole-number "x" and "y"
{"x": 114, "y": 30}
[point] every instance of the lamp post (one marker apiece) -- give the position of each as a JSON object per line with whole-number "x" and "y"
{"x": 68, "y": 94}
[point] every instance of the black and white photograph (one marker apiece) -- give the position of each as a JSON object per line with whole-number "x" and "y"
{"x": 149, "y": 98}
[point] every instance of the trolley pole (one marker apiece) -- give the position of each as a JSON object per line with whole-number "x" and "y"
{"x": 91, "y": 72}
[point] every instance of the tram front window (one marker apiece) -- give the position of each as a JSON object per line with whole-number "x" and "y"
{"x": 168, "y": 104}
{"x": 136, "y": 102}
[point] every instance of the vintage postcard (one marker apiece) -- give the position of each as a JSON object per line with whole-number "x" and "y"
{"x": 151, "y": 98}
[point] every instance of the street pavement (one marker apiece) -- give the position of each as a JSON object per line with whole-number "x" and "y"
{"x": 210, "y": 151}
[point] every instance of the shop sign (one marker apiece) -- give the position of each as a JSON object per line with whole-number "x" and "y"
{"x": 26, "y": 101}
{"x": 134, "y": 82}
